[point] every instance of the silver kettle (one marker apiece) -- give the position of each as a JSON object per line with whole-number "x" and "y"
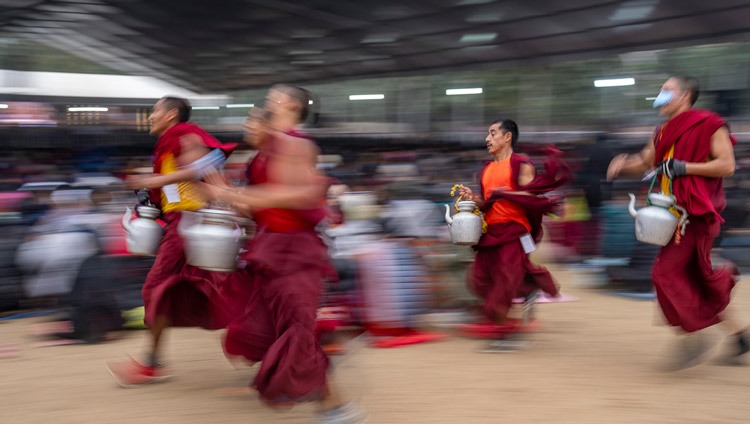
{"x": 655, "y": 224}
{"x": 143, "y": 234}
{"x": 213, "y": 240}
{"x": 465, "y": 227}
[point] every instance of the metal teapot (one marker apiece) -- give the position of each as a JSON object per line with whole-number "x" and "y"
{"x": 213, "y": 241}
{"x": 143, "y": 234}
{"x": 465, "y": 227}
{"x": 655, "y": 224}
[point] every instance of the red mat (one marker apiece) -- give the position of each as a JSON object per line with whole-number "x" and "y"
{"x": 406, "y": 340}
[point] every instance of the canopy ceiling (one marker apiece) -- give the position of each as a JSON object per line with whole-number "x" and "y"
{"x": 224, "y": 45}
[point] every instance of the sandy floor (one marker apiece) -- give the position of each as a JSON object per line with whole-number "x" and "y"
{"x": 595, "y": 361}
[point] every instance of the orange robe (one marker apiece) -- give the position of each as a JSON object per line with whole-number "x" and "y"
{"x": 502, "y": 269}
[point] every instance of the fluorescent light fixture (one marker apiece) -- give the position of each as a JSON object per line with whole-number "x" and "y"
{"x": 87, "y": 109}
{"x": 255, "y": 71}
{"x": 616, "y": 82}
{"x": 630, "y": 28}
{"x": 461, "y": 91}
{"x": 478, "y": 38}
{"x": 633, "y": 10}
{"x": 308, "y": 33}
{"x": 205, "y": 107}
{"x": 310, "y": 102}
{"x": 472, "y": 2}
{"x": 393, "y": 12}
{"x": 304, "y": 52}
{"x": 373, "y": 57}
{"x": 481, "y": 18}
{"x": 3, "y": 106}
{"x": 307, "y": 62}
{"x": 236, "y": 105}
{"x": 650, "y": 99}
{"x": 380, "y": 38}
{"x": 367, "y": 97}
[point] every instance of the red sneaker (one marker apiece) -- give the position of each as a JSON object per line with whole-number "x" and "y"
{"x": 130, "y": 373}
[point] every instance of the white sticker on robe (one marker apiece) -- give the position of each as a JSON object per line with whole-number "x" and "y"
{"x": 172, "y": 193}
{"x": 528, "y": 243}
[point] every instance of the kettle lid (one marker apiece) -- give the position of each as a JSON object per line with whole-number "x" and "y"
{"x": 221, "y": 214}
{"x": 467, "y": 204}
{"x": 217, "y": 212}
{"x": 147, "y": 211}
{"x": 661, "y": 199}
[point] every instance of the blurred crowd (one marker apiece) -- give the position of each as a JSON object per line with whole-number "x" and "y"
{"x": 62, "y": 230}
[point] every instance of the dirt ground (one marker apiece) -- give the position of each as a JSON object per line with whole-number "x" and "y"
{"x": 595, "y": 360}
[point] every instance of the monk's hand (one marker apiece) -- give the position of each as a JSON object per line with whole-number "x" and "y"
{"x": 208, "y": 191}
{"x": 142, "y": 196}
{"x": 216, "y": 178}
{"x": 615, "y": 167}
{"x": 465, "y": 193}
{"x": 135, "y": 182}
{"x": 673, "y": 168}
{"x": 244, "y": 209}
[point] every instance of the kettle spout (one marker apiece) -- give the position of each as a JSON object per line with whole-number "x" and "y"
{"x": 448, "y": 218}
{"x": 631, "y": 206}
{"x": 126, "y": 219}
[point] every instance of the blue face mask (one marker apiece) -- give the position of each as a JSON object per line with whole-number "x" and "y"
{"x": 664, "y": 97}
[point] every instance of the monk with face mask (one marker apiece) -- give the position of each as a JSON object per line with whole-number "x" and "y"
{"x": 692, "y": 151}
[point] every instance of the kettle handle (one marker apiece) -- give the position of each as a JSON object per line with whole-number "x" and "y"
{"x": 126, "y": 219}
{"x": 631, "y": 206}
{"x": 238, "y": 231}
{"x": 683, "y": 218}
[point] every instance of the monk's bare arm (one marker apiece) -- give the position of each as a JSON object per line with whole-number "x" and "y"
{"x": 637, "y": 163}
{"x": 191, "y": 149}
{"x": 721, "y": 163}
{"x": 294, "y": 182}
{"x": 526, "y": 174}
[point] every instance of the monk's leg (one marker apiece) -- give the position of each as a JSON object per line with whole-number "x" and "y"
{"x": 252, "y": 331}
{"x": 158, "y": 314}
{"x": 739, "y": 338}
{"x": 717, "y": 282}
{"x": 680, "y": 281}
{"x": 165, "y": 273}
{"x": 157, "y": 327}
{"x": 717, "y": 287}
{"x": 158, "y": 303}
{"x": 507, "y": 275}
{"x": 294, "y": 367}
{"x": 675, "y": 290}
{"x": 339, "y": 409}
{"x": 479, "y": 278}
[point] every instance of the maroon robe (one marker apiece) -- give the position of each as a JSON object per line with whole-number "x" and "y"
{"x": 690, "y": 291}
{"x": 502, "y": 270}
{"x": 168, "y": 144}
{"x": 285, "y": 219}
{"x": 187, "y": 295}
{"x": 287, "y": 262}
